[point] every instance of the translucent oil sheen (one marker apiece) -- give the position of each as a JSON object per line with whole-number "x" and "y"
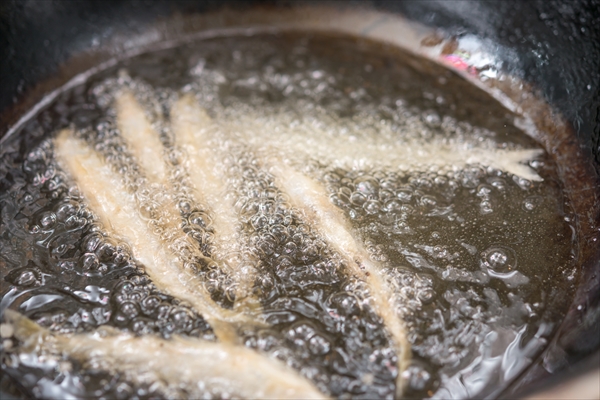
{"x": 480, "y": 258}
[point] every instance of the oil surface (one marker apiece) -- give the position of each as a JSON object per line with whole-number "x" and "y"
{"x": 480, "y": 258}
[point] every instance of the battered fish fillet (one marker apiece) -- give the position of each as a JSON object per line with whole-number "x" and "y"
{"x": 118, "y": 211}
{"x": 178, "y": 365}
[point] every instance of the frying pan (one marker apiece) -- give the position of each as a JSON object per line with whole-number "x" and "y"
{"x": 553, "y": 46}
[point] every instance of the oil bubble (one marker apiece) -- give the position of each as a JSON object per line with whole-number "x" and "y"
{"x": 500, "y": 259}
{"x": 428, "y": 203}
{"x": 417, "y": 377}
{"x": 532, "y": 202}
{"x": 24, "y": 277}
{"x": 345, "y": 304}
{"x": 319, "y": 345}
{"x": 485, "y": 207}
{"x": 426, "y": 295}
{"x": 366, "y": 185}
{"x": 91, "y": 242}
{"x": 129, "y": 309}
{"x": 89, "y": 262}
{"x": 66, "y": 210}
{"x": 358, "y": 198}
{"x": 372, "y": 206}
{"x": 106, "y": 251}
{"x": 47, "y": 220}
{"x": 524, "y": 184}
{"x": 200, "y": 219}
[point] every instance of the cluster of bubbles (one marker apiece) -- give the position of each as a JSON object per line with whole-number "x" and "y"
{"x": 426, "y": 228}
{"x": 320, "y": 323}
{"x": 144, "y": 310}
{"x": 301, "y": 285}
{"x": 422, "y": 223}
{"x": 189, "y": 233}
{"x": 460, "y": 246}
{"x": 293, "y": 261}
{"x": 63, "y": 271}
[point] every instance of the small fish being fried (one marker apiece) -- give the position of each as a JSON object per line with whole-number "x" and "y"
{"x": 312, "y": 199}
{"x": 177, "y": 367}
{"x": 141, "y": 137}
{"x": 190, "y": 125}
{"x": 208, "y": 191}
{"x": 118, "y": 211}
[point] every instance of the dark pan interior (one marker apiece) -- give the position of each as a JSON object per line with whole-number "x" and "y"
{"x": 554, "y": 45}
